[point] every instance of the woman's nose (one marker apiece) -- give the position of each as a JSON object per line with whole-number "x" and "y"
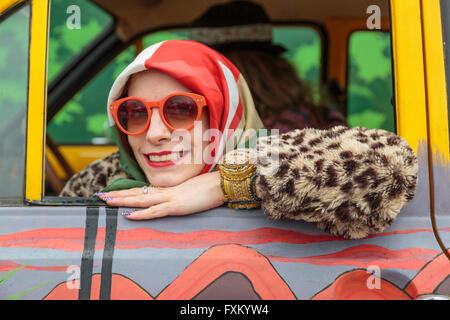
{"x": 158, "y": 132}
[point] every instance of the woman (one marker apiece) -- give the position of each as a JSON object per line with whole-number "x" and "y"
{"x": 351, "y": 181}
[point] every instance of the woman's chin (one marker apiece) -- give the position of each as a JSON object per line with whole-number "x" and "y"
{"x": 164, "y": 182}
{"x": 171, "y": 178}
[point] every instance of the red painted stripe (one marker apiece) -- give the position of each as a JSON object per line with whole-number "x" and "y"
{"x": 72, "y": 239}
{"x": 390, "y": 233}
{"x": 6, "y": 265}
{"x": 141, "y": 238}
{"x": 67, "y": 239}
{"x": 367, "y": 255}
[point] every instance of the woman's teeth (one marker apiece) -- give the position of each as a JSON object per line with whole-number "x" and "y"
{"x": 166, "y": 157}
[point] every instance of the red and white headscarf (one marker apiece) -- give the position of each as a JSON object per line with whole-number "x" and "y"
{"x": 206, "y": 72}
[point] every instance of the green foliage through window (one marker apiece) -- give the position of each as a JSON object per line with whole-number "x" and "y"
{"x": 14, "y": 52}
{"x": 83, "y": 118}
{"x": 369, "y": 90}
{"x": 67, "y": 42}
{"x": 304, "y": 51}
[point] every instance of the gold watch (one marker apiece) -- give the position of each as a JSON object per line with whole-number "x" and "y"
{"x": 237, "y": 176}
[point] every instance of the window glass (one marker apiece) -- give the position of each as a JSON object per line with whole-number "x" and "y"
{"x": 369, "y": 90}
{"x": 14, "y": 37}
{"x": 73, "y": 25}
{"x": 83, "y": 119}
{"x": 303, "y": 46}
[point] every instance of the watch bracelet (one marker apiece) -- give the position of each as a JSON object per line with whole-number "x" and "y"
{"x": 235, "y": 183}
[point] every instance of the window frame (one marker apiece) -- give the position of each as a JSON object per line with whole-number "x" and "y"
{"x": 410, "y": 92}
{"x": 436, "y": 79}
{"x": 37, "y": 94}
{"x": 7, "y": 6}
{"x": 420, "y": 96}
{"x": 409, "y": 74}
{"x": 340, "y": 31}
{"x": 437, "y": 84}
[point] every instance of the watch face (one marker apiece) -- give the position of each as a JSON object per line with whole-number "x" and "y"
{"x": 241, "y": 156}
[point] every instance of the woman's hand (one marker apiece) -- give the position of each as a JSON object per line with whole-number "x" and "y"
{"x": 197, "y": 194}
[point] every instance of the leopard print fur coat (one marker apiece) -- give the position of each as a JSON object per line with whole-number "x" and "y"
{"x": 95, "y": 177}
{"x": 349, "y": 181}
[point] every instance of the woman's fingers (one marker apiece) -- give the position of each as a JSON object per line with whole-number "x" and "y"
{"x": 196, "y": 194}
{"x": 141, "y": 201}
{"x": 126, "y": 193}
{"x": 157, "y": 211}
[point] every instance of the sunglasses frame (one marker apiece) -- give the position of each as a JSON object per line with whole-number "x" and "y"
{"x": 149, "y": 105}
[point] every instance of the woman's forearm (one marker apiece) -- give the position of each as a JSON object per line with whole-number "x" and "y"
{"x": 351, "y": 181}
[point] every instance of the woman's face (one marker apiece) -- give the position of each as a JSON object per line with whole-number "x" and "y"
{"x": 163, "y": 170}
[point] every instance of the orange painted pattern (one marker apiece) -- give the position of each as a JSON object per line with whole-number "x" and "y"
{"x": 429, "y": 278}
{"x": 220, "y": 259}
{"x": 122, "y": 288}
{"x": 67, "y": 239}
{"x": 72, "y": 239}
{"x": 353, "y": 285}
{"x": 6, "y": 265}
{"x": 267, "y": 283}
{"x": 366, "y": 255}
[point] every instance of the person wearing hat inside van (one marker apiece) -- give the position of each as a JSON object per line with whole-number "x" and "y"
{"x": 241, "y": 31}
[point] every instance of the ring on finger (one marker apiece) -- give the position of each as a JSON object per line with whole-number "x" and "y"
{"x": 145, "y": 190}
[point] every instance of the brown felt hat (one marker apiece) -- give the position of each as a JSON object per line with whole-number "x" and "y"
{"x": 235, "y": 25}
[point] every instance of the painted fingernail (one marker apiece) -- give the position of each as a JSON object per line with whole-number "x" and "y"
{"x": 107, "y": 198}
{"x": 127, "y": 213}
{"x": 100, "y": 194}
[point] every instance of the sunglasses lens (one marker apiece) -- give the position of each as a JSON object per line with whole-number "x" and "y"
{"x": 180, "y": 111}
{"x": 132, "y": 115}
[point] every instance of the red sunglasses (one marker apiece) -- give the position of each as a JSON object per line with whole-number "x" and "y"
{"x": 177, "y": 110}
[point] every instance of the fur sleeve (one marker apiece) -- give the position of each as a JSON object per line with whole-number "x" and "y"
{"x": 94, "y": 177}
{"x": 350, "y": 181}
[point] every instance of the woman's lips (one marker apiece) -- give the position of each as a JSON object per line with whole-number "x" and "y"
{"x": 162, "y": 153}
{"x": 164, "y": 163}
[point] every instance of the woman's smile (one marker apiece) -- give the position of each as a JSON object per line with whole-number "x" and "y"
{"x": 165, "y": 158}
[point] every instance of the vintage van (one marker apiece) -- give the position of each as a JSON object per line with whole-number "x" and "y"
{"x": 386, "y": 64}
